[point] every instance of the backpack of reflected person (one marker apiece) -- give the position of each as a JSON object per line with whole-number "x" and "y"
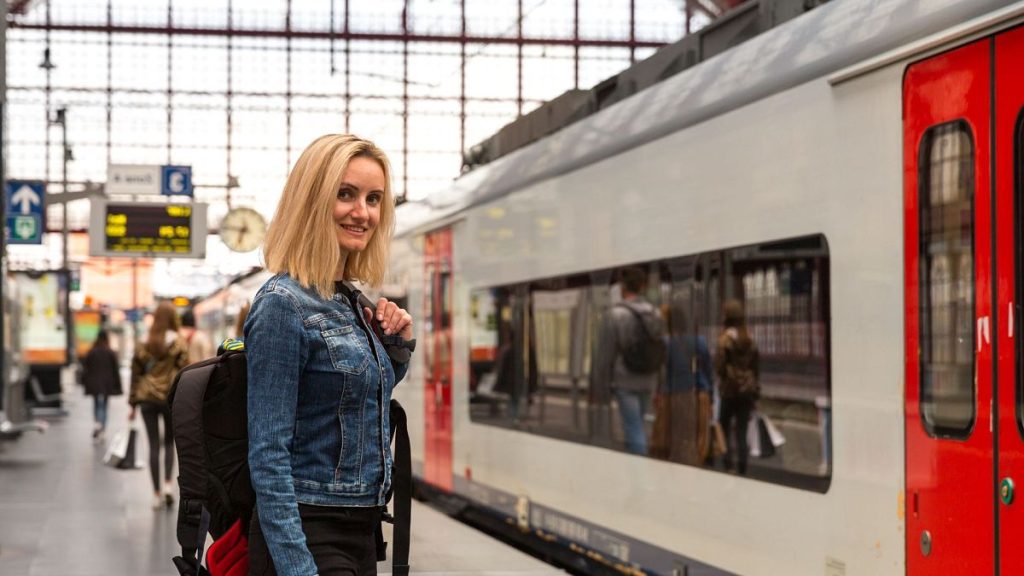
{"x": 645, "y": 350}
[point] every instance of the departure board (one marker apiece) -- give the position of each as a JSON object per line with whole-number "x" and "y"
{"x": 136, "y": 229}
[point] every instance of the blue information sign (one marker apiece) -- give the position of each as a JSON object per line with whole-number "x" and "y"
{"x": 176, "y": 180}
{"x": 26, "y": 217}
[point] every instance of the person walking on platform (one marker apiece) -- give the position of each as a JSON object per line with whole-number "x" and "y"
{"x": 154, "y": 365}
{"x": 101, "y": 377}
{"x": 322, "y": 367}
{"x": 199, "y": 345}
{"x": 738, "y": 370}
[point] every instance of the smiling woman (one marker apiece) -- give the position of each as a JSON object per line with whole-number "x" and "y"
{"x": 314, "y": 354}
{"x": 357, "y": 210}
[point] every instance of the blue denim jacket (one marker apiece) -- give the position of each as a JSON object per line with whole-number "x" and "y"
{"x": 318, "y": 418}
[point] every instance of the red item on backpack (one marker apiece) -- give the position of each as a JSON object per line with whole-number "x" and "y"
{"x": 229, "y": 554}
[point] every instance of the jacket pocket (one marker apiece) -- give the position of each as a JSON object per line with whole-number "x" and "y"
{"x": 348, "y": 352}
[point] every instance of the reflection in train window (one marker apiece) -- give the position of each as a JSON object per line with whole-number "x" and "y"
{"x": 946, "y": 282}
{"x": 546, "y": 358}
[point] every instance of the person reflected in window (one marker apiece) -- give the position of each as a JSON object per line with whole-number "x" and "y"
{"x": 738, "y": 370}
{"x": 622, "y": 332}
{"x": 683, "y": 409}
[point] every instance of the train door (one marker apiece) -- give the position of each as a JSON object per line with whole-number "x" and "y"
{"x": 437, "y": 398}
{"x": 1009, "y": 172}
{"x": 950, "y": 455}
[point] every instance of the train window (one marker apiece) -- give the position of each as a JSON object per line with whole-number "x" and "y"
{"x": 547, "y": 357}
{"x": 946, "y": 260}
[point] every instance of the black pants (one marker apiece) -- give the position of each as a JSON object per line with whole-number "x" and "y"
{"x": 342, "y": 540}
{"x": 151, "y": 414}
{"x": 734, "y": 414}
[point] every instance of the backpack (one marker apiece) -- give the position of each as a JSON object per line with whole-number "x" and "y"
{"x": 738, "y": 377}
{"x": 208, "y": 412}
{"x": 645, "y": 350}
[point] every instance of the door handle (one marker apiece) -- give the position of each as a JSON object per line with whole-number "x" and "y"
{"x": 1006, "y": 491}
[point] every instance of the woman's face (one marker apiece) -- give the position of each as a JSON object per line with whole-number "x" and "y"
{"x": 357, "y": 209}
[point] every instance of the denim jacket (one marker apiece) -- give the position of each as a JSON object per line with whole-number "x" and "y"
{"x": 317, "y": 406}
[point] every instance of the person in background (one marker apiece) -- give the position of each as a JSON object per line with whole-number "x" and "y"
{"x": 199, "y": 345}
{"x": 243, "y": 313}
{"x": 322, "y": 367}
{"x": 738, "y": 368}
{"x": 155, "y": 364}
{"x": 101, "y": 377}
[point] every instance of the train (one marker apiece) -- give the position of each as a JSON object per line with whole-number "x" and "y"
{"x": 852, "y": 177}
{"x": 218, "y": 314}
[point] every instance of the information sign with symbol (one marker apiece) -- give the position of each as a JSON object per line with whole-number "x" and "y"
{"x": 176, "y": 180}
{"x": 26, "y": 200}
{"x": 150, "y": 179}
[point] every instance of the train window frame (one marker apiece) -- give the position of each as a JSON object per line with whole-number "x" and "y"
{"x": 963, "y": 432}
{"x": 1018, "y": 262}
{"x": 714, "y": 276}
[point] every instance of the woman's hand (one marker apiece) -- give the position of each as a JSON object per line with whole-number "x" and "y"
{"x": 392, "y": 319}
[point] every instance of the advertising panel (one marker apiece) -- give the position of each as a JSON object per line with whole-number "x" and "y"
{"x": 43, "y": 330}
{"x": 87, "y": 326}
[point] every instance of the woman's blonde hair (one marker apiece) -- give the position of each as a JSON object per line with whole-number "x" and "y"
{"x": 301, "y": 239}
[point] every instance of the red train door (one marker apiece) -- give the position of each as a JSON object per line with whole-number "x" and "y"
{"x": 950, "y": 455}
{"x": 437, "y": 398}
{"x": 1009, "y": 171}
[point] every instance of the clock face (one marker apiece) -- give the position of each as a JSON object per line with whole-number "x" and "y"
{"x": 242, "y": 229}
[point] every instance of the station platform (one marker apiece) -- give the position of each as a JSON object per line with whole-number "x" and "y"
{"x": 64, "y": 513}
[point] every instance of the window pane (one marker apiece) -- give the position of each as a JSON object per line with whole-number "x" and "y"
{"x": 947, "y": 280}
{"x": 549, "y": 357}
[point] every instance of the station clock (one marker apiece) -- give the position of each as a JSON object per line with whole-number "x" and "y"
{"x": 242, "y": 229}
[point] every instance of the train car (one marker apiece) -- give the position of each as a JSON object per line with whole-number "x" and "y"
{"x": 853, "y": 178}
{"x": 217, "y": 314}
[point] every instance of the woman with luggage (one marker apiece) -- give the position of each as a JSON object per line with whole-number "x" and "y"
{"x": 322, "y": 366}
{"x": 154, "y": 365}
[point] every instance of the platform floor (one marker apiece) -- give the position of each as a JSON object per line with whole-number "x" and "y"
{"x": 63, "y": 513}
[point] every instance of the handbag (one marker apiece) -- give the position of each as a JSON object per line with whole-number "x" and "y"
{"x": 121, "y": 450}
{"x": 763, "y": 437}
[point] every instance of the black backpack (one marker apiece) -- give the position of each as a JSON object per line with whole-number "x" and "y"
{"x": 208, "y": 412}
{"x": 645, "y": 350}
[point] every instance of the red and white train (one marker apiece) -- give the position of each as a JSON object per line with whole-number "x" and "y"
{"x": 855, "y": 178}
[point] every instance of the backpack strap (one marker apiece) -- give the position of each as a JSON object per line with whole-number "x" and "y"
{"x": 639, "y": 318}
{"x": 401, "y": 478}
{"x": 187, "y": 415}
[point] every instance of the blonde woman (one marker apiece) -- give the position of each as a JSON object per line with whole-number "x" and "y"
{"x": 321, "y": 367}
{"x": 154, "y": 366}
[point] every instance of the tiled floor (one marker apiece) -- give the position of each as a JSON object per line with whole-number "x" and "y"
{"x": 63, "y": 513}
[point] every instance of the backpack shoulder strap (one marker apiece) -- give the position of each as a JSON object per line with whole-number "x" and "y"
{"x": 402, "y": 480}
{"x": 186, "y": 401}
{"x": 639, "y": 318}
